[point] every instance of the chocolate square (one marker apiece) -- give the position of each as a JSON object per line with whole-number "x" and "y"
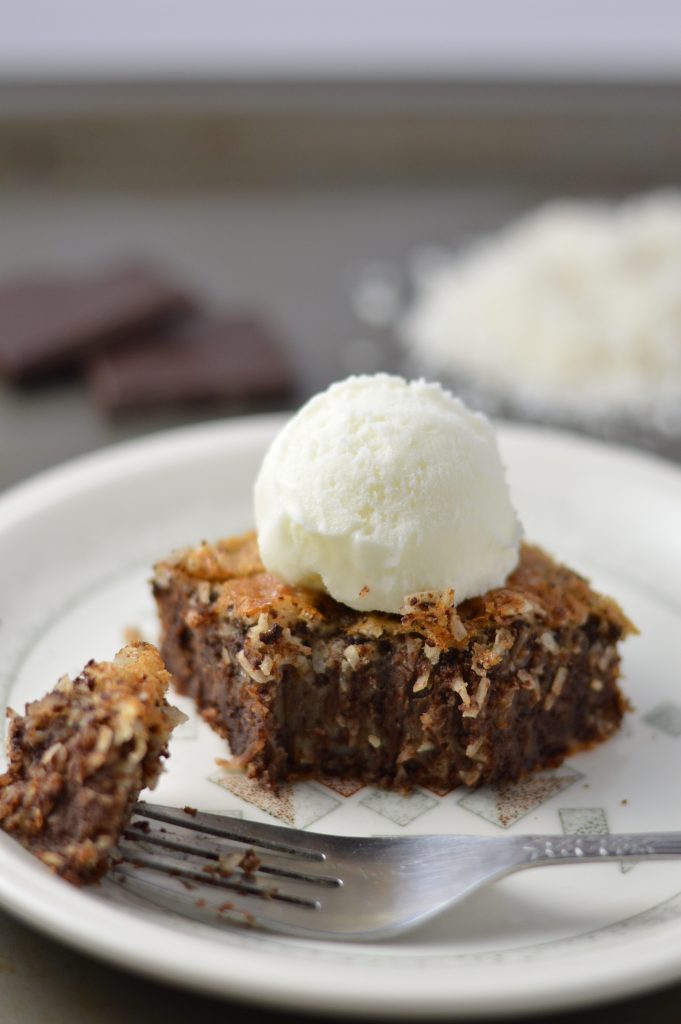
{"x": 203, "y": 359}
{"x": 49, "y": 323}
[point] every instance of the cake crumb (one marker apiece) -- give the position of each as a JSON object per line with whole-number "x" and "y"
{"x": 250, "y": 862}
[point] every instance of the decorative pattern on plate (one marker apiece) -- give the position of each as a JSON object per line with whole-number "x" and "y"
{"x": 344, "y": 787}
{"x": 666, "y": 717}
{"x": 299, "y": 806}
{"x": 401, "y": 810}
{"x": 583, "y": 821}
{"x": 504, "y": 805}
{"x": 589, "y": 821}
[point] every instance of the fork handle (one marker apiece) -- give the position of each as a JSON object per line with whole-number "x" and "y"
{"x": 609, "y": 846}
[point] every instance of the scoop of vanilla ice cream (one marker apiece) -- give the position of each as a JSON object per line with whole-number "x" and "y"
{"x": 378, "y": 489}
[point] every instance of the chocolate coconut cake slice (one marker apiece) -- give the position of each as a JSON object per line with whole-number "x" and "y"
{"x": 303, "y": 686}
{"x": 79, "y": 757}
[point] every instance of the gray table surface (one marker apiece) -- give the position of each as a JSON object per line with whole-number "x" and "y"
{"x": 293, "y": 256}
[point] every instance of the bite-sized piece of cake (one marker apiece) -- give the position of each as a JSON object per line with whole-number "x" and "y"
{"x": 303, "y": 686}
{"x": 80, "y": 756}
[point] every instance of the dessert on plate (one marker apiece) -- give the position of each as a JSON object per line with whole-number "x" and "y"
{"x": 79, "y": 757}
{"x": 387, "y": 624}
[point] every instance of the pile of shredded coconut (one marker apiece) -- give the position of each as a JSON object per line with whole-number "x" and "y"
{"x": 573, "y": 310}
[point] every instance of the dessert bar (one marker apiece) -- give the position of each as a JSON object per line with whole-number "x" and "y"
{"x": 304, "y": 687}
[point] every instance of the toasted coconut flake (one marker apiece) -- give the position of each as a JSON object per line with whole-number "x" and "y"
{"x": 459, "y": 687}
{"x": 596, "y": 685}
{"x": 371, "y": 626}
{"x": 104, "y": 740}
{"x": 529, "y": 682}
{"x": 228, "y": 863}
{"x": 559, "y": 680}
{"x": 193, "y": 618}
{"x": 549, "y": 642}
{"x": 556, "y": 687}
{"x": 473, "y": 749}
{"x": 485, "y": 658}
{"x": 422, "y": 682}
{"x": 201, "y": 593}
{"x": 64, "y": 684}
{"x": 256, "y": 632}
{"x": 256, "y": 675}
{"x": 374, "y": 740}
{"x": 52, "y": 859}
{"x": 123, "y": 726}
{"x": 479, "y": 700}
{"x": 56, "y": 755}
{"x": 232, "y": 765}
{"x": 352, "y": 655}
{"x": 163, "y": 576}
{"x": 432, "y": 652}
{"x": 472, "y": 776}
{"x": 434, "y": 615}
{"x": 482, "y": 691}
{"x": 606, "y": 659}
{"x": 510, "y": 604}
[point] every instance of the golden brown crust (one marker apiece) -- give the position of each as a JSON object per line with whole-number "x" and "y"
{"x": 79, "y": 757}
{"x": 539, "y": 589}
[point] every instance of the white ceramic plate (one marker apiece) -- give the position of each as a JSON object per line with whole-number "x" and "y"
{"x": 76, "y": 546}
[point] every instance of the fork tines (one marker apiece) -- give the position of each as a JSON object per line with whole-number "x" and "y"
{"x": 168, "y": 854}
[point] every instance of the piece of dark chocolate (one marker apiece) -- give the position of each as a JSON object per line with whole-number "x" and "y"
{"x": 223, "y": 358}
{"x": 49, "y": 323}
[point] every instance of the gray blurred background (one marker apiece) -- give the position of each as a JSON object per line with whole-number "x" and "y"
{"x": 268, "y": 154}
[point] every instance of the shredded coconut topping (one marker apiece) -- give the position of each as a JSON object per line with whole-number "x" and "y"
{"x": 574, "y": 308}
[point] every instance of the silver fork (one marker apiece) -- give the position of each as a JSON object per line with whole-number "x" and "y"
{"x": 212, "y": 867}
